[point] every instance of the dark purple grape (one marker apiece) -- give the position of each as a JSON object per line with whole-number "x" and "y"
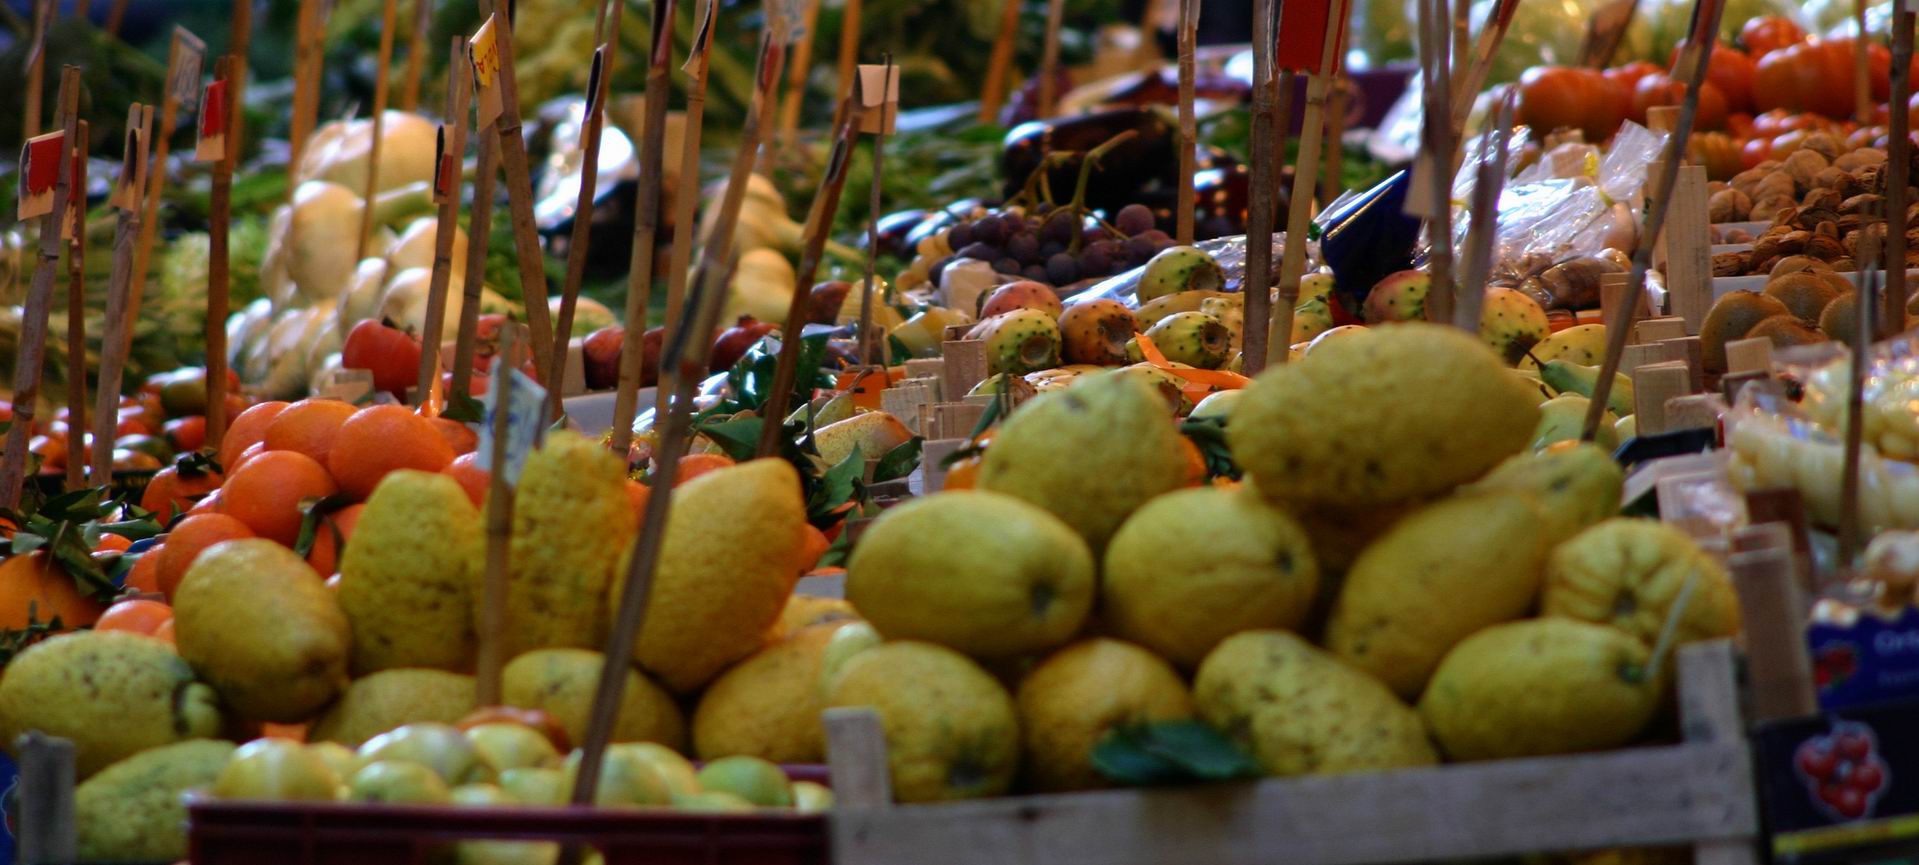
{"x": 979, "y": 252}
{"x": 960, "y": 236}
{"x": 1217, "y": 226}
{"x": 1134, "y": 219}
{"x": 1063, "y": 228}
{"x": 1062, "y": 269}
{"x": 1141, "y": 248}
{"x": 1006, "y": 265}
{"x": 1051, "y": 248}
{"x": 989, "y": 231}
{"x": 1160, "y": 238}
{"x": 939, "y": 267}
{"x": 1013, "y": 223}
{"x": 1095, "y": 262}
{"x": 1043, "y": 208}
{"x": 1024, "y": 247}
{"x": 1035, "y": 272}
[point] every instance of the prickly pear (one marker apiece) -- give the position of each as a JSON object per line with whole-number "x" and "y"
{"x": 1151, "y": 311}
{"x": 1020, "y": 341}
{"x": 1230, "y": 309}
{"x": 1192, "y": 338}
{"x": 1311, "y": 319}
{"x": 1398, "y": 297}
{"x": 1180, "y": 268}
{"x": 1315, "y": 286}
{"x": 1096, "y": 332}
{"x": 1025, "y": 294}
{"x": 1511, "y": 323}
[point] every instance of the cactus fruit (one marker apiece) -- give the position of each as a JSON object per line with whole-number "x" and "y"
{"x": 1180, "y": 268}
{"x": 1310, "y": 319}
{"x": 1192, "y": 338}
{"x": 1399, "y": 297}
{"x": 1025, "y": 294}
{"x": 1096, "y": 332}
{"x": 1315, "y": 286}
{"x": 1151, "y": 311}
{"x": 1336, "y": 333}
{"x": 922, "y": 333}
{"x": 1230, "y": 309}
{"x": 1511, "y": 323}
{"x": 1020, "y": 341}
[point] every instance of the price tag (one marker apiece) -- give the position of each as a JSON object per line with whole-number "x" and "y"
{"x": 483, "y": 51}
{"x": 42, "y": 157}
{"x": 346, "y": 385}
{"x": 213, "y": 123}
{"x": 526, "y": 413}
{"x": 132, "y": 179}
{"x": 879, "y": 98}
{"x": 187, "y": 57}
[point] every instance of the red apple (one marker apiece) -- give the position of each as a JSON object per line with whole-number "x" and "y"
{"x": 389, "y": 353}
{"x": 602, "y": 351}
{"x": 734, "y": 342}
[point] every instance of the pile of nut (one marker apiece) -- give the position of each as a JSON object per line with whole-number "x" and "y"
{"x": 1816, "y": 201}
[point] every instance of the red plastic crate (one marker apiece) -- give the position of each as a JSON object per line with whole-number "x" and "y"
{"x": 254, "y": 833}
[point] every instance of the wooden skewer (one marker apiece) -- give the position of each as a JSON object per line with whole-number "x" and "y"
{"x": 1330, "y": 185}
{"x": 1862, "y": 65}
{"x": 686, "y": 192}
{"x": 1482, "y": 62}
{"x": 1892, "y": 319}
{"x": 43, "y": 12}
{"x": 1264, "y": 186}
{"x": 1049, "y": 60}
{"x": 1439, "y": 142}
{"x": 796, "y": 74}
{"x": 114, "y": 343}
{"x": 688, "y": 350}
{"x": 1292, "y": 265}
{"x": 116, "y": 16}
{"x": 1852, "y": 535}
{"x": 492, "y": 659}
{"x": 306, "y": 79}
{"x": 993, "y": 92}
{"x": 1619, "y": 326}
{"x": 478, "y": 237}
{"x": 591, "y": 125}
{"x": 849, "y": 60}
{"x": 77, "y": 313}
{"x": 446, "y": 227}
{"x": 389, "y": 20}
{"x": 646, "y": 225}
{"x": 239, "y": 44}
{"x": 819, "y": 223}
{"x": 1188, "y": 123}
{"x": 519, "y": 200}
{"x": 416, "y": 55}
{"x": 1485, "y": 215}
{"x": 219, "y": 260}
{"x": 184, "y": 58}
{"x": 869, "y": 342}
{"x": 33, "y": 320}
{"x": 82, "y": 8}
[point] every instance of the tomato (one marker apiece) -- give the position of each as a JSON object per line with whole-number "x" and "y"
{"x": 1730, "y": 70}
{"x": 1558, "y": 97}
{"x": 1817, "y": 75}
{"x": 1628, "y": 75}
{"x": 1739, "y": 124}
{"x": 1769, "y": 33}
{"x": 1659, "y": 89}
{"x": 1755, "y": 151}
{"x": 1719, "y": 153}
{"x": 389, "y": 353}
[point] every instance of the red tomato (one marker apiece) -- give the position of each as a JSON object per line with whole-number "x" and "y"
{"x": 1628, "y": 75}
{"x": 1769, "y": 33}
{"x": 1730, "y": 70}
{"x": 1659, "y": 89}
{"x": 1739, "y": 124}
{"x": 1817, "y": 75}
{"x": 392, "y": 355}
{"x": 1558, "y": 97}
{"x": 1755, "y": 151}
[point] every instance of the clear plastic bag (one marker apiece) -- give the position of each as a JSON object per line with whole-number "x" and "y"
{"x": 1230, "y": 252}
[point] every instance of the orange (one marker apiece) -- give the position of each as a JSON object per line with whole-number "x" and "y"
{"x": 473, "y": 478}
{"x": 253, "y": 450}
{"x": 34, "y": 588}
{"x": 110, "y": 542}
{"x": 165, "y": 631}
{"x": 295, "y": 732}
{"x": 52, "y": 451}
{"x": 187, "y": 540}
{"x": 379, "y": 439}
{"x": 190, "y": 433}
{"x": 330, "y": 537}
{"x": 266, "y": 492}
{"x": 308, "y": 427}
{"x": 247, "y": 428}
{"x": 1195, "y": 462}
{"x": 208, "y": 505}
{"x": 694, "y": 465}
{"x": 171, "y": 492}
{"x": 815, "y": 545}
{"x": 637, "y": 493}
{"x": 144, "y": 577}
{"x": 458, "y": 436}
{"x": 963, "y": 475}
{"x": 139, "y": 617}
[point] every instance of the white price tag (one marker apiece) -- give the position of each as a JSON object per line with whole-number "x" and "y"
{"x": 526, "y": 413}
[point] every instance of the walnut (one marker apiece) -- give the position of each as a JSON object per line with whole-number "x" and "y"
{"x": 1823, "y": 144}
{"x": 1775, "y": 245}
{"x": 1748, "y": 181}
{"x": 1728, "y": 205}
{"x": 1843, "y": 263}
{"x": 1823, "y": 198}
{"x": 1804, "y": 165}
{"x": 1852, "y": 222}
{"x": 1825, "y": 247}
{"x": 1738, "y": 235}
{"x": 1728, "y": 263}
{"x": 1826, "y": 229}
{"x": 1854, "y": 160}
{"x": 1765, "y": 266}
{"x": 1830, "y": 178}
{"x": 1765, "y": 209}
{"x": 1716, "y": 186}
{"x": 1809, "y": 217}
{"x": 1862, "y": 203}
{"x": 1775, "y": 184}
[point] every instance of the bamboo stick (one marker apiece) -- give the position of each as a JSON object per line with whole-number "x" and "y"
{"x": 688, "y": 350}
{"x": 1862, "y": 65}
{"x": 646, "y": 225}
{"x": 219, "y": 260}
{"x": 685, "y": 192}
{"x": 1485, "y": 214}
{"x": 43, "y": 13}
{"x": 115, "y": 342}
{"x": 1312, "y": 138}
{"x": 519, "y": 198}
{"x": 305, "y": 82}
{"x": 1619, "y": 326}
{"x": 416, "y": 55}
{"x": 1188, "y": 122}
{"x": 33, "y": 319}
{"x": 116, "y": 16}
{"x": 819, "y": 223}
{"x": 491, "y": 660}
{"x": 447, "y": 226}
{"x": 849, "y": 60}
{"x": 1049, "y": 60}
{"x": 1264, "y": 185}
{"x": 1898, "y": 170}
{"x": 797, "y": 72}
{"x": 869, "y": 342}
{"x": 77, "y": 312}
{"x": 184, "y": 58}
{"x": 993, "y": 92}
{"x": 1440, "y": 144}
{"x": 240, "y": 44}
{"x": 389, "y": 20}
{"x": 1852, "y": 534}
{"x": 576, "y": 251}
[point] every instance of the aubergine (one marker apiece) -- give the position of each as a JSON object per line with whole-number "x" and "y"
{"x": 894, "y": 228}
{"x": 1150, "y": 156}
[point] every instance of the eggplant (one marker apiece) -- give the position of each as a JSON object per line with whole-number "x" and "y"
{"x": 1150, "y": 156}
{"x": 1161, "y": 87}
{"x": 894, "y": 228}
{"x": 1369, "y": 237}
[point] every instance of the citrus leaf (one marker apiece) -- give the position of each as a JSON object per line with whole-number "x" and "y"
{"x": 837, "y": 486}
{"x": 464, "y": 408}
{"x": 738, "y": 436}
{"x": 1169, "y": 752}
{"x": 899, "y": 462}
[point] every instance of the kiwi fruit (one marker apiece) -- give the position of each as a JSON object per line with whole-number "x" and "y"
{"x": 1797, "y": 263}
{"x": 1730, "y": 318}
{"x": 1838, "y": 318}
{"x": 1804, "y": 293}
{"x": 1785, "y": 331}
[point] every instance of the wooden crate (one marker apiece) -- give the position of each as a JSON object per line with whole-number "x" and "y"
{"x": 1699, "y": 792}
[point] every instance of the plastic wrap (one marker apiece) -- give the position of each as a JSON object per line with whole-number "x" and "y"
{"x": 1230, "y": 252}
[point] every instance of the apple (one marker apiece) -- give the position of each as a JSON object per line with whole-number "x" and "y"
{"x": 388, "y": 352}
{"x": 602, "y": 351}
{"x": 735, "y": 341}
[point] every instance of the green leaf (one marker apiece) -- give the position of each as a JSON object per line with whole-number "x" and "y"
{"x": 194, "y": 464}
{"x": 738, "y": 436}
{"x": 987, "y": 418}
{"x": 1170, "y": 752}
{"x": 133, "y": 530}
{"x": 837, "y": 486}
{"x": 464, "y": 408}
{"x": 1209, "y": 435}
{"x": 25, "y": 542}
{"x": 837, "y": 553}
{"x": 896, "y": 350}
{"x": 312, "y": 511}
{"x": 899, "y": 462}
{"x": 76, "y": 506}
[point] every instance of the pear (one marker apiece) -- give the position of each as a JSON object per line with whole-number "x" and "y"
{"x": 626, "y": 779}
{"x": 439, "y": 747}
{"x": 113, "y": 694}
{"x": 1568, "y": 377}
{"x": 277, "y": 770}
{"x": 397, "y": 782}
{"x": 751, "y": 778}
{"x": 1563, "y": 419}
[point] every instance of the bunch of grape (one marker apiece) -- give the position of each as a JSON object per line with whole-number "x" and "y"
{"x": 1040, "y": 245}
